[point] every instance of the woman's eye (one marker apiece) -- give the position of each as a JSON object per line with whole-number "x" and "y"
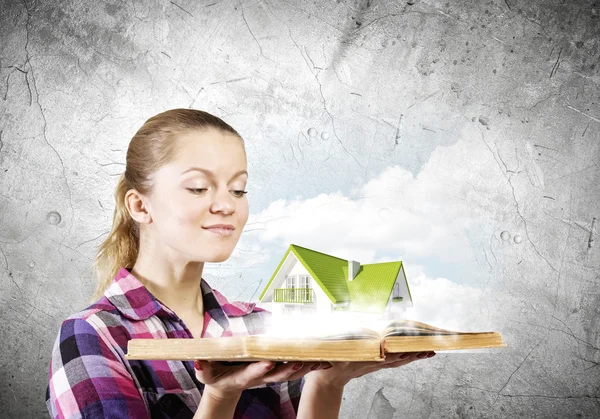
{"x": 241, "y": 193}
{"x": 237, "y": 193}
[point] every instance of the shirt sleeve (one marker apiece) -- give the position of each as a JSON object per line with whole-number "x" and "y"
{"x": 87, "y": 379}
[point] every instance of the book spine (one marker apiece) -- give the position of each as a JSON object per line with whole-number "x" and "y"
{"x": 382, "y": 349}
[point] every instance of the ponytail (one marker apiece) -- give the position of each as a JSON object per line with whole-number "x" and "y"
{"x": 120, "y": 248}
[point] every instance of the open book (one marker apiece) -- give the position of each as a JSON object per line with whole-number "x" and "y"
{"x": 356, "y": 345}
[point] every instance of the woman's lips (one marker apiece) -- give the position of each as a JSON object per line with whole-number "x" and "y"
{"x": 220, "y": 231}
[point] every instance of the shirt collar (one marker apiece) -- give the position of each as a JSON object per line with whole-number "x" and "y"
{"x": 134, "y": 301}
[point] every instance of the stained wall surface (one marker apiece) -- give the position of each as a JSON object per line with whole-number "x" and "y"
{"x": 461, "y": 137}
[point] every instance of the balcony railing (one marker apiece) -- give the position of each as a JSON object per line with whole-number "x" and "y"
{"x": 293, "y": 295}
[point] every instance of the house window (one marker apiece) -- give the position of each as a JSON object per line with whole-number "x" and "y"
{"x": 396, "y": 290}
{"x": 304, "y": 281}
{"x": 305, "y": 288}
{"x": 291, "y": 281}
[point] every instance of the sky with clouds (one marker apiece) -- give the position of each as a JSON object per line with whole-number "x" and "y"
{"x": 436, "y": 222}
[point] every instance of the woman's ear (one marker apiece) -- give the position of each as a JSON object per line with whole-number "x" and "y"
{"x": 138, "y": 207}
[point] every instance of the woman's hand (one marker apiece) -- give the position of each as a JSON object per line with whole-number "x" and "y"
{"x": 225, "y": 382}
{"x": 340, "y": 373}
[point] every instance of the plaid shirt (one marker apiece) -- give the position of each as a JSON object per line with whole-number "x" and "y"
{"x": 89, "y": 376}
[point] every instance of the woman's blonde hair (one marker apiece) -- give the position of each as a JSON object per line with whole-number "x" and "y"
{"x": 152, "y": 146}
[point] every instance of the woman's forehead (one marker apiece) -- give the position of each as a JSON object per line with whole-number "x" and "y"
{"x": 209, "y": 142}
{"x": 208, "y": 155}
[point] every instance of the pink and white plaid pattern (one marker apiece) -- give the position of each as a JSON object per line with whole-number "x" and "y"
{"x": 89, "y": 376}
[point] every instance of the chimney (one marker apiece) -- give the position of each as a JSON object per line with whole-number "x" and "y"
{"x": 353, "y": 267}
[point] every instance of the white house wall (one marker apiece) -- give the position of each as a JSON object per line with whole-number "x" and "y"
{"x": 286, "y": 266}
{"x": 321, "y": 303}
{"x": 291, "y": 266}
{"x": 393, "y": 308}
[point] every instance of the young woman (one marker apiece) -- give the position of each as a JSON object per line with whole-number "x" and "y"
{"x": 181, "y": 202}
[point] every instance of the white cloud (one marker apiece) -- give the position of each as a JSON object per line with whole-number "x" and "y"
{"x": 413, "y": 217}
{"x": 446, "y": 304}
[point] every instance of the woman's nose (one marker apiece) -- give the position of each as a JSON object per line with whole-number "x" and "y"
{"x": 223, "y": 201}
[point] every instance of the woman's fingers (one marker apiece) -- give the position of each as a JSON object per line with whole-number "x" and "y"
{"x": 257, "y": 370}
{"x": 397, "y": 360}
{"x": 306, "y": 368}
{"x": 210, "y": 372}
{"x": 255, "y": 373}
{"x": 404, "y": 355}
{"x": 206, "y": 371}
{"x": 252, "y": 374}
{"x": 338, "y": 365}
{"x": 289, "y": 371}
{"x": 393, "y": 361}
{"x": 408, "y": 356}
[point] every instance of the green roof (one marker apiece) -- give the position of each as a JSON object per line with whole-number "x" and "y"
{"x": 369, "y": 291}
{"x": 372, "y": 286}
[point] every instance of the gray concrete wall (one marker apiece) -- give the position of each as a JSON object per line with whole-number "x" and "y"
{"x": 495, "y": 102}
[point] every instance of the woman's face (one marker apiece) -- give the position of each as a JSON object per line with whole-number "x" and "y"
{"x": 201, "y": 187}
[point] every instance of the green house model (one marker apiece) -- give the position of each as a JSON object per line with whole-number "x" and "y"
{"x": 307, "y": 282}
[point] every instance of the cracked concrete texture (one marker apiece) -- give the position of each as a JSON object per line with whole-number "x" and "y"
{"x": 383, "y": 83}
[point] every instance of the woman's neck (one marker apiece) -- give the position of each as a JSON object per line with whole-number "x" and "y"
{"x": 176, "y": 286}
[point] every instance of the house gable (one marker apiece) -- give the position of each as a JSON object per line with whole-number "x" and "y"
{"x": 403, "y": 292}
{"x": 277, "y": 279}
{"x": 316, "y": 267}
{"x": 406, "y": 284}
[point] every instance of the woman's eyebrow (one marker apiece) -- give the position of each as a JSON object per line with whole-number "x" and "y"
{"x": 211, "y": 174}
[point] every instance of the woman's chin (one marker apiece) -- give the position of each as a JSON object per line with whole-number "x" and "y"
{"x": 217, "y": 257}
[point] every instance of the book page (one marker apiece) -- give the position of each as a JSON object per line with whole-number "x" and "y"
{"x": 354, "y": 334}
{"x": 439, "y": 342}
{"x": 414, "y": 328}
